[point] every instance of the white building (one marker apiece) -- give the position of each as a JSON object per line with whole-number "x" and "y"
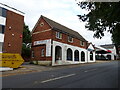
{"x": 107, "y": 52}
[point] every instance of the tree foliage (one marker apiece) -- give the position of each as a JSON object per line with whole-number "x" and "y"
{"x": 26, "y": 49}
{"x": 102, "y": 16}
{"x": 26, "y": 35}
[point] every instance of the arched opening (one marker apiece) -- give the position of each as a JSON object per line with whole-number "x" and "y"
{"x": 76, "y": 57}
{"x": 91, "y": 55}
{"x": 82, "y": 56}
{"x": 109, "y": 57}
{"x": 58, "y": 53}
{"x": 69, "y": 54}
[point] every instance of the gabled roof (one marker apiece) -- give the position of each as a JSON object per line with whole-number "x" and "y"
{"x": 109, "y": 46}
{"x": 62, "y": 28}
{"x": 88, "y": 44}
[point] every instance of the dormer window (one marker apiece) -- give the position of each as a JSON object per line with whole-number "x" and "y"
{"x": 58, "y": 35}
{"x": 82, "y": 43}
{"x": 70, "y": 39}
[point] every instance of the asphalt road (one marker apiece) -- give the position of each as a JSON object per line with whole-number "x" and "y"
{"x": 102, "y": 75}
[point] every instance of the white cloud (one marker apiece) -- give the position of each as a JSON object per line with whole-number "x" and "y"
{"x": 61, "y": 11}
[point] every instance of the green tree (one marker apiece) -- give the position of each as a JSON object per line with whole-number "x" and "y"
{"x": 102, "y": 16}
{"x": 26, "y": 48}
{"x": 26, "y": 35}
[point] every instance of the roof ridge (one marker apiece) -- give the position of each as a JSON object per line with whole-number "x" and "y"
{"x": 59, "y": 26}
{"x": 58, "y": 23}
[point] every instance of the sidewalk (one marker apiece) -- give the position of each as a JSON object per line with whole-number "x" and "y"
{"x": 29, "y": 68}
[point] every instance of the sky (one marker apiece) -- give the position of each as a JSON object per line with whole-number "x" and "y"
{"x": 62, "y": 11}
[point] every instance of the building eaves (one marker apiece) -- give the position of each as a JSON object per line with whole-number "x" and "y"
{"x": 58, "y": 27}
{"x": 109, "y": 46}
{"x": 12, "y": 9}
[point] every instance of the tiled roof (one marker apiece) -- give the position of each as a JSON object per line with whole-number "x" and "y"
{"x": 64, "y": 29}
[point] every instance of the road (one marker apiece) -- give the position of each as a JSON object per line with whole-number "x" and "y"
{"x": 101, "y": 75}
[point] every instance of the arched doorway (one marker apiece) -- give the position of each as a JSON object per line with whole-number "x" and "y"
{"x": 58, "y": 53}
{"x": 91, "y": 55}
{"x": 76, "y": 55}
{"x": 69, "y": 54}
{"x": 82, "y": 56}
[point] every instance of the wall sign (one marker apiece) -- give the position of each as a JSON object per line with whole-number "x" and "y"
{"x": 48, "y": 46}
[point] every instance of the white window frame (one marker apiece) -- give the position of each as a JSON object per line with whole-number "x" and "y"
{"x": 69, "y": 39}
{"x": 82, "y": 43}
{"x": 42, "y": 52}
{"x": 58, "y": 35}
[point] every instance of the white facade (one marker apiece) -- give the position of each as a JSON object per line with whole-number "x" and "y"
{"x": 113, "y": 54}
{"x": 2, "y": 23}
{"x": 2, "y": 20}
{"x": 107, "y": 56}
{"x": 64, "y": 60}
{"x": 48, "y": 46}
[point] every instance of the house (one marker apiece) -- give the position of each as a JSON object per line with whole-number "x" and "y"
{"x": 55, "y": 44}
{"x": 106, "y": 52}
{"x": 11, "y": 28}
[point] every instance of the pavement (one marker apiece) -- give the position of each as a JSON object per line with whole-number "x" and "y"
{"x": 30, "y": 68}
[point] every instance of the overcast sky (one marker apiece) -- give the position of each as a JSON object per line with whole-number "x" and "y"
{"x": 62, "y": 11}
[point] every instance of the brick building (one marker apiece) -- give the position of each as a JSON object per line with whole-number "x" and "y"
{"x": 11, "y": 28}
{"x": 55, "y": 44}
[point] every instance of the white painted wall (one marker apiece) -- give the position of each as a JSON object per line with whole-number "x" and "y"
{"x": 64, "y": 52}
{"x": 1, "y": 37}
{"x": 48, "y": 46}
{"x": 1, "y": 46}
{"x": 2, "y": 20}
{"x": 91, "y": 48}
{"x": 114, "y": 53}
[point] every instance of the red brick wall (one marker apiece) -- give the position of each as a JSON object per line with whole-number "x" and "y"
{"x": 37, "y": 53}
{"x": 41, "y": 35}
{"x": 16, "y": 22}
{"x": 51, "y": 34}
{"x": 76, "y": 42}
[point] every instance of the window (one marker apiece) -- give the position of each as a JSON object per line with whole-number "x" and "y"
{"x": 32, "y": 54}
{"x": 1, "y": 46}
{"x": 69, "y": 54}
{"x": 82, "y": 56}
{"x": 42, "y": 52}
{"x": 2, "y": 29}
{"x": 41, "y": 24}
{"x": 2, "y": 12}
{"x": 70, "y": 39}
{"x": 58, "y": 35}
{"x": 81, "y": 43}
